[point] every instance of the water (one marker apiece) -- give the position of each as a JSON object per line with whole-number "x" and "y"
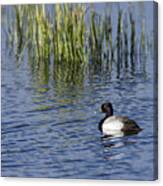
{"x": 50, "y": 128}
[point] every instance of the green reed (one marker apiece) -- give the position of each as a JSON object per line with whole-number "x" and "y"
{"x": 68, "y": 33}
{"x": 142, "y": 39}
{"x": 39, "y": 32}
{"x": 125, "y": 42}
{"x": 73, "y": 38}
{"x": 119, "y": 42}
{"x": 132, "y": 41}
{"x": 108, "y": 36}
{"x": 18, "y": 30}
{"x": 96, "y": 36}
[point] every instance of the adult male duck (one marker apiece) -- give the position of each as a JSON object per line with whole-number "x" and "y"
{"x": 111, "y": 124}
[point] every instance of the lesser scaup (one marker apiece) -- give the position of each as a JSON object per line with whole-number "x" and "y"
{"x": 110, "y": 124}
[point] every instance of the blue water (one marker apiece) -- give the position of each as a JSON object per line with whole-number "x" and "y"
{"x": 50, "y": 129}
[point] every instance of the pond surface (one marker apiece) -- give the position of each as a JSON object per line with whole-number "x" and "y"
{"x": 50, "y": 128}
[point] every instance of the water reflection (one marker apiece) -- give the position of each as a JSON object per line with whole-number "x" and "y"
{"x": 115, "y": 134}
{"x": 114, "y": 142}
{"x": 68, "y": 74}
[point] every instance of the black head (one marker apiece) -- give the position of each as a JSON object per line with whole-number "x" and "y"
{"x": 107, "y": 108}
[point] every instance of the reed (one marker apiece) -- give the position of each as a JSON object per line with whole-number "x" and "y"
{"x": 108, "y": 36}
{"x": 132, "y": 41}
{"x": 41, "y": 33}
{"x": 73, "y": 38}
{"x": 126, "y": 52}
{"x": 119, "y": 43}
{"x": 69, "y": 30}
{"x": 19, "y": 28}
{"x": 142, "y": 39}
{"x": 96, "y": 36}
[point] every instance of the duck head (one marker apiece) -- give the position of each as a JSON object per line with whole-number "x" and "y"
{"x": 107, "y": 108}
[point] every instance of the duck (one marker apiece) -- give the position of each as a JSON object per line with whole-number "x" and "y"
{"x": 112, "y": 125}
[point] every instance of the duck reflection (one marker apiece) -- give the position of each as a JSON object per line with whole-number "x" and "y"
{"x": 118, "y": 134}
{"x": 114, "y": 142}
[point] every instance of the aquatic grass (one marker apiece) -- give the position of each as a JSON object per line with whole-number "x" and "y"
{"x": 132, "y": 41}
{"x": 40, "y": 33}
{"x": 143, "y": 48}
{"x": 96, "y": 36}
{"x": 69, "y": 33}
{"x": 119, "y": 42}
{"x": 125, "y": 31}
{"x": 108, "y": 36}
{"x": 64, "y": 38}
{"x": 19, "y": 29}
{"x": 142, "y": 38}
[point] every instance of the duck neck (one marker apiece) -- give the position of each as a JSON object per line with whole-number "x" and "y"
{"x": 108, "y": 114}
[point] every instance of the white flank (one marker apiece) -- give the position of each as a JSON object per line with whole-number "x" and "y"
{"x": 112, "y": 125}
